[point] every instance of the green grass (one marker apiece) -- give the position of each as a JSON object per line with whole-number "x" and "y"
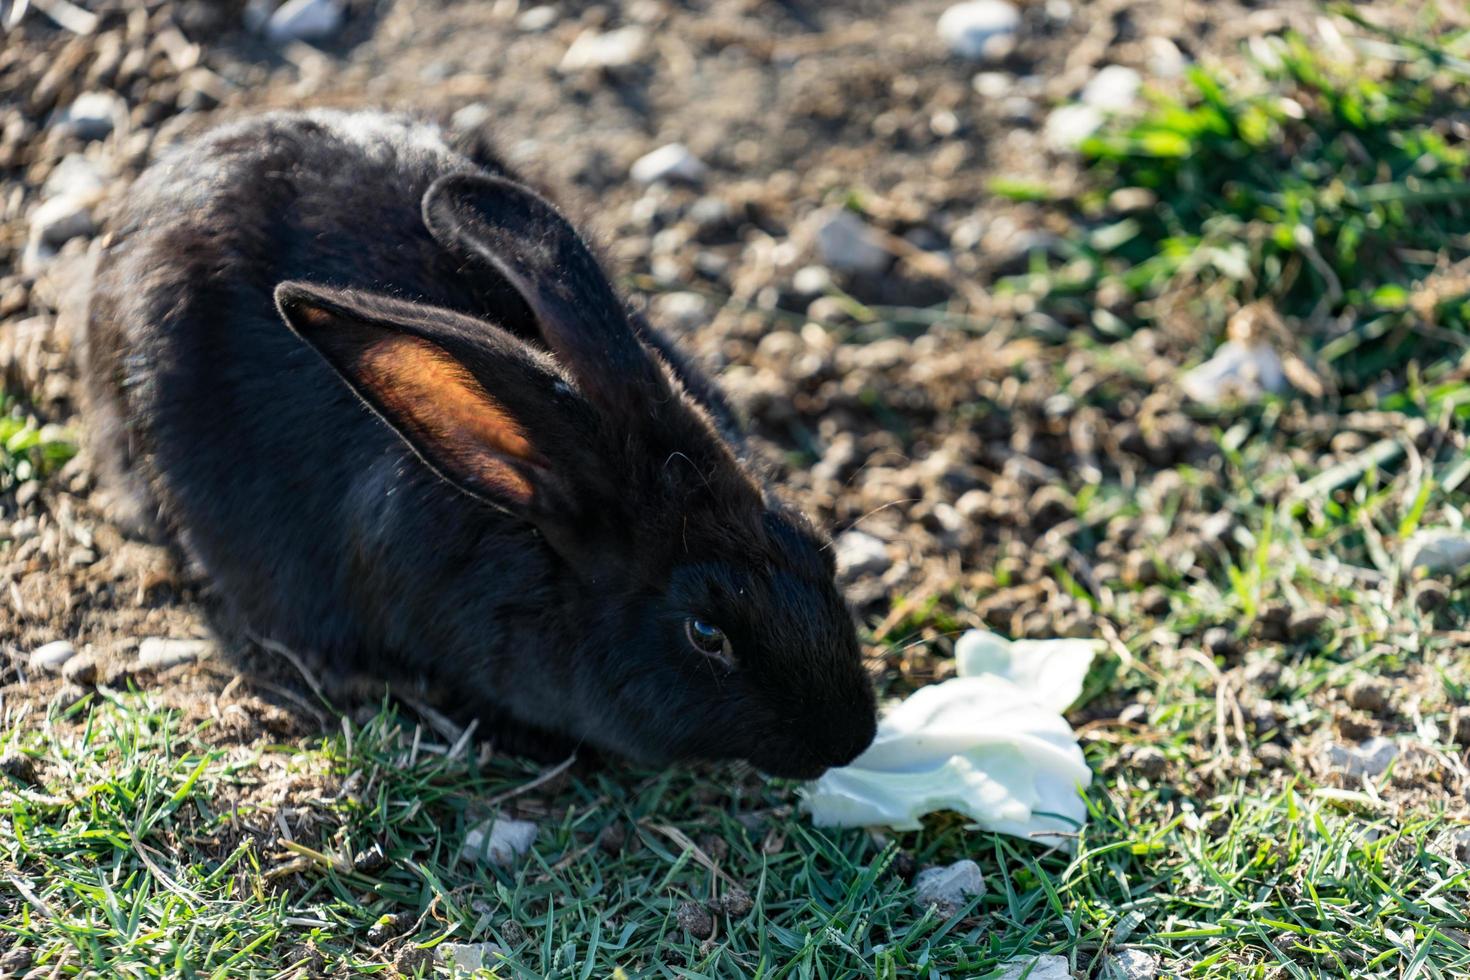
{"x": 152, "y": 848}
{"x": 27, "y": 449}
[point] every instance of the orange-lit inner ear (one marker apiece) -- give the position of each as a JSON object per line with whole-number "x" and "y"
{"x": 459, "y": 426}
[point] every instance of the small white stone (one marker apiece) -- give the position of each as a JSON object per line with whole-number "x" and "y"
{"x": 1132, "y": 964}
{"x": 1165, "y": 60}
{"x": 613, "y": 49}
{"x": 304, "y": 20}
{"x": 53, "y": 656}
{"x": 682, "y": 310}
{"x": 980, "y": 29}
{"x": 859, "y": 554}
{"x": 672, "y": 162}
{"x": 161, "y": 653}
{"x": 499, "y": 841}
{"x": 467, "y": 958}
{"x": 993, "y": 84}
{"x": 847, "y": 244}
{"x": 1437, "y": 551}
{"x": 811, "y": 280}
{"x": 949, "y": 888}
{"x": 1046, "y": 967}
{"x": 1113, "y": 89}
{"x": 1370, "y": 758}
{"x": 92, "y": 115}
{"x": 470, "y": 117}
{"x": 1237, "y": 370}
{"x": 1067, "y": 126}
{"x": 536, "y": 19}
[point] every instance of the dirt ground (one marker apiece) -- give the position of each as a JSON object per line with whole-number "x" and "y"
{"x": 950, "y": 443}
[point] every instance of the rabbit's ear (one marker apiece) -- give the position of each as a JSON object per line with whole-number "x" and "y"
{"x": 527, "y": 241}
{"x": 486, "y": 412}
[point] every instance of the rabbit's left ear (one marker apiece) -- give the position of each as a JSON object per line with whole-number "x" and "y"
{"x": 481, "y": 408}
{"x": 527, "y": 241}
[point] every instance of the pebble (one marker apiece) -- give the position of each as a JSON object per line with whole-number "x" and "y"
{"x": 1244, "y": 371}
{"x": 470, "y": 117}
{"x": 847, "y": 244}
{"x": 537, "y": 19}
{"x": 736, "y": 902}
{"x": 993, "y": 84}
{"x": 468, "y": 958}
{"x": 1132, "y": 964}
{"x": 695, "y": 918}
{"x": 92, "y": 115}
{"x": 612, "y": 49}
{"x": 161, "y": 653}
{"x": 1368, "y": 758}
{"x": 980, "y": 29}
{"x": 1367, "y": 694}
{"x": 1165, "y": 60}
{"x": 1437, "y": 551}
{"x": 53, "y": 656}
{"x": 81, "y": 671}
{"x": 1148, "y": 761}
{"x": 1305, "y": 624}
{"x": 1460, "y": 844}
{"x": 21, "y": 768}
{"x": 672, "y": 163}
{"x": 304, "y": 20}
{"x": 60, "y": 219}
{"x": 1046, "y": 967}
{"x": 812, "y": 280}
{"x": 682, "y": 310}
{"x": 1069, "y": 125}
{"x": 500, "y": 841}
{"x": 1112, "y": 89}
{"x": 860, "y": 554}
{"x": 949, "y": 888}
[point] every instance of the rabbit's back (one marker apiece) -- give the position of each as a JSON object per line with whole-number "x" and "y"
{"x": 309, "y": 516}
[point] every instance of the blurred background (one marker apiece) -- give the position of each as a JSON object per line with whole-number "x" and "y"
{"x": 1143, "y": 321}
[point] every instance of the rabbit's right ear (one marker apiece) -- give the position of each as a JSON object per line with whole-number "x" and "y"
{"x": 482, "y": 409}
{"x": 527, "y": 241}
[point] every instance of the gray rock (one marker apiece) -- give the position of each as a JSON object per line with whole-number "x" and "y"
{"x": 1045, "y": 967}
{"x": 467, "y": 958}
{"x": 92, "y": 115}
{"x": 304, "y": 20}
{"x": 537, "y": 19}
{"x": 161, "y": 653}
{"x": 860, "y": 554}
{"x": 1132, "y": 964}
{"x": 1368, "y": 758}
{"x": 980, "y": 29}
{"x": 59, "y": 220}
{"x": 847, "y": 244}
{"x": 52, "y": 657}
{"x": 672, "y": 162}
{"x": 611, "y": 49}
{"x": 500, "y": 841}
{"x": 1067, "y": 126}
{"x": 948, "y": 889}
{"x": 1112, "y": 89}
{"x": 1437, "y": 551}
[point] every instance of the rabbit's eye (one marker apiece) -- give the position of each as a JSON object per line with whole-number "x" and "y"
{"x": 709, "y": 640}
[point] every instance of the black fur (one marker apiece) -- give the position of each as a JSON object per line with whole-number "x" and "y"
{"x": 560, "y": 611}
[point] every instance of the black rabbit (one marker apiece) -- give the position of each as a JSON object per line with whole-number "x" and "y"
{"x": 383, "y": 395}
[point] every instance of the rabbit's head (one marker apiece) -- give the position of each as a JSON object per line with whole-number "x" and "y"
{"x": 701, "y": 619}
